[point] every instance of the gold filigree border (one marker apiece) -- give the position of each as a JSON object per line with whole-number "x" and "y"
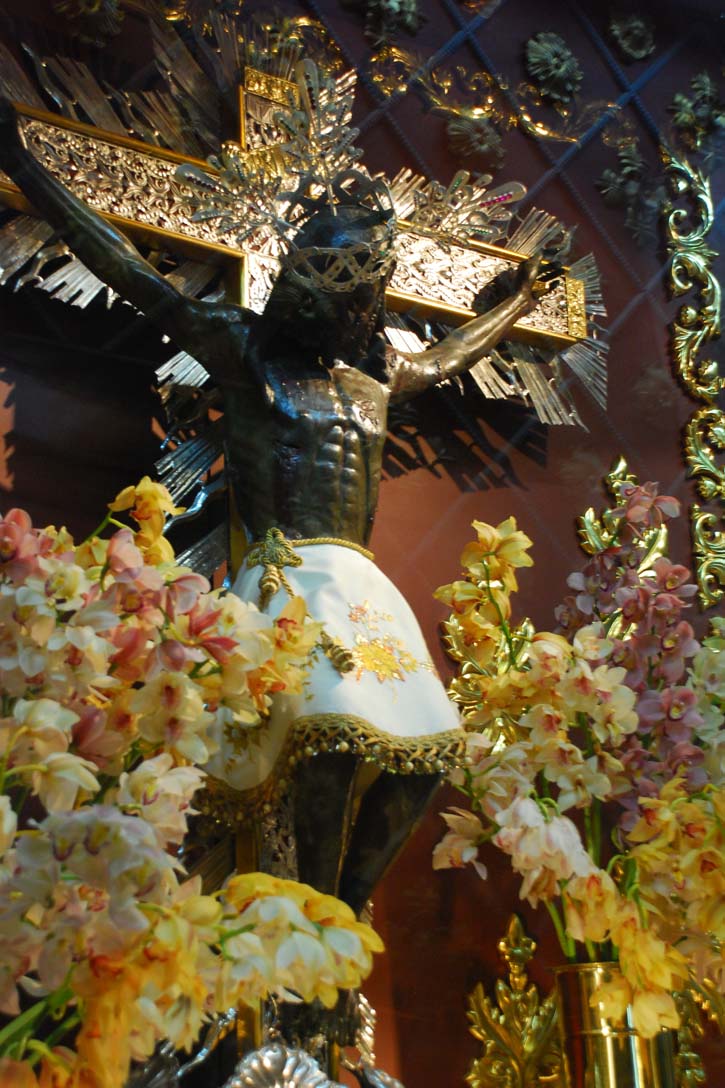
{"x": 432, "y": 753}
{"x": 694, "y": 327}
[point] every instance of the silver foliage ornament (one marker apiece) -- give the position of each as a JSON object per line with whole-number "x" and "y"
{"x": 699, "y": 116}
{"x": 315, "y": 165}
{"x": 553, "y": 67}
{"x": 384, "y": 18}
{"x": 476, "y": 137}
{"x": 633, "y": 34}
{"x": 635, "y": 189}
{"x": 317, "y": 138}
{"x": 465, "y": 210}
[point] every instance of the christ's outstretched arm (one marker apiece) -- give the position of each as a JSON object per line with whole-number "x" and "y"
{"x": 205, "y": 330}
{"x": 462, "y": 348}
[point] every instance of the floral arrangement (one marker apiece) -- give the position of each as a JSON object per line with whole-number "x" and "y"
{"x": 616, "y": 720}
{"x": 116, "y": 665}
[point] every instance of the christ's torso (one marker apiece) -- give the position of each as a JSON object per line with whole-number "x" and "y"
{"x": 303, "y": 449}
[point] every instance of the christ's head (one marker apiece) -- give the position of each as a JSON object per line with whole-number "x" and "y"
{"x": 330, "y": 294}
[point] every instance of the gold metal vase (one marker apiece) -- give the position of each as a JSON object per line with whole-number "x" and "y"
{"x": 599, "y": 1052}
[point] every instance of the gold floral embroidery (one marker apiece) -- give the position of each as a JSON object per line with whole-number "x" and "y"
{"x": 378, "y": 651}
{"x": 242, "y": 738}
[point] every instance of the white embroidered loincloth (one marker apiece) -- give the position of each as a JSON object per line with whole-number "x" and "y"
{"x": 391, "y": 709}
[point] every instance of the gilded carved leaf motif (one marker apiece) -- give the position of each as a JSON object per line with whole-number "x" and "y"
{"x": 520, "y": 1045}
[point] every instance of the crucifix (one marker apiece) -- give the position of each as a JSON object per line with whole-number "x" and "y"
{"x": 307, "y": 376}
{"x": 134, "y": 184}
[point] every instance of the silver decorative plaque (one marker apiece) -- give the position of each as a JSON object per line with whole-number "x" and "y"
{"x": 278, "y": 1066}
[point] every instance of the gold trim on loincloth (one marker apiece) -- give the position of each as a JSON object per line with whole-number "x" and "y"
{"x": 430, "y": 753}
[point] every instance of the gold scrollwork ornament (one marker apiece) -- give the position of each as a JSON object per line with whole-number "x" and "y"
{"x": 691, "y": 271}
{"x": 709, "y": 548}
{"x": 705, "y": 434}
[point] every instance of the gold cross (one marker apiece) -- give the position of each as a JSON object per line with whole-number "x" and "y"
{"x": 132, "y": 184}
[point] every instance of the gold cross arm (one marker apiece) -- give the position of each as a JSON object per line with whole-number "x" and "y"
{"x": 133, "y": 185}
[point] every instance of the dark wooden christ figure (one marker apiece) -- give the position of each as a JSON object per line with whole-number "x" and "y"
{"x": 306, "y": 388}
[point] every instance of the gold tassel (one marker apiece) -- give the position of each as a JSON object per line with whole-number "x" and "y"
{"x": 343, "y": 659}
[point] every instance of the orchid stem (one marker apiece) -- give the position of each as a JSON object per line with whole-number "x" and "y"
{"x": 99, "y": 528}
{"x": 22, "y": 1027}
{"x": 108, "y": 520}
{"x": 565, "y": 941}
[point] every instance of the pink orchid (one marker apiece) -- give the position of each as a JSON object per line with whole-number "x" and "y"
{"x": 172, "y": 656}
{"x": 666, "y": 609}
{"x": 204, "y": 615}
{"x": 141, "y": 597}
{"x": 19, "y": 545}
{"x": 691, "y": 758}
{"x": 202, "y": 620}
{"x": 627, "y": 653}
{"x": 125, "y": 560}
{"x": 673, "y": 576}
{"x": 129, "y": 661}
{"x": 644, "y": 507}
{"x": 679, "y": 706}
{"x": 183, "y": 594}
{"x": 568, "y": 616}
{"x": 94, "y": 741}
{"x": 635, "y": 602}
{"x": 650, "y": 710}
{"x": 678, "y": 644}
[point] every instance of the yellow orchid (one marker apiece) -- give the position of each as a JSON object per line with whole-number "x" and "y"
{"x": 591, "y": 902}
{"x": 496, "y": 694}
{"x": 156, "y": 549}
{"x": 461, "y": 596}
{"x": 243, "y": 888}
{"x": 62, "y": 539}
{"x": 504, "y": 543}
{"x": 653, "y": 1010}
{"x": 294, "y": 632}
{"x": 492, "y": 558}
{"x": 644, "y": 957}
{"x": 91, "y": 554}
{"x": 657, "y": 824}
{"x": 612, "y": 998}
{"x": 472, "y": 637}
{"x": 148, "y": 502}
